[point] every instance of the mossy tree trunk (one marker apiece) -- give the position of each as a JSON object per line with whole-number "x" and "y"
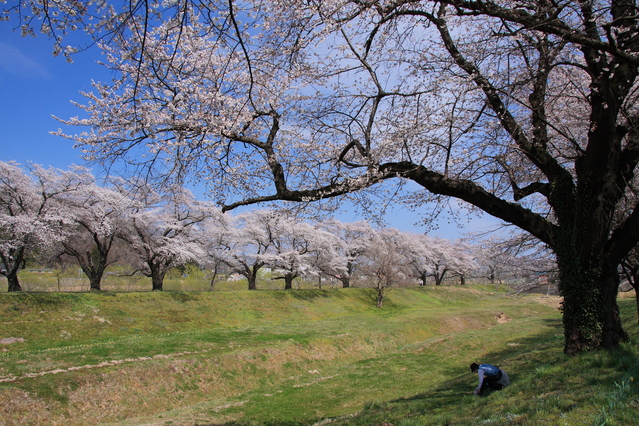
{"x": 590, "y": 311}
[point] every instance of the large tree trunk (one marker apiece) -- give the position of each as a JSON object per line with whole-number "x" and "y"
{"x": 95, "y": 282}
{"x": 95, "y": 274}
{"x": 11, "y": 264}
{"x": 439, "y": 278}
{"x": 288, "y": 281}
{"x": 157, "y": 278}
{"x": 250, "y": 273}
{"x": 590, "y": 311}
{"x": 491, "y": 275}
{"x": 93, "y": 260}
{"x": 251, "y": 277}
{"x": 346, "y": 280}
{"x": 252, "y": 284}
{"x": 14, "y": 283}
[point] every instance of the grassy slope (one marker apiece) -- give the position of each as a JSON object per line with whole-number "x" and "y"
{"x": 302, "y": 357}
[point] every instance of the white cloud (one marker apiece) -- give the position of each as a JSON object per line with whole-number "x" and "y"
{"x": 16, "y": 63}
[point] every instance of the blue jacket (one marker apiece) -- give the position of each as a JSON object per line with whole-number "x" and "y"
{"x": 489, "y": 370}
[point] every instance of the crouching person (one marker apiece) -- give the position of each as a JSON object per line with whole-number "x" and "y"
{"x": 490, "y": 378}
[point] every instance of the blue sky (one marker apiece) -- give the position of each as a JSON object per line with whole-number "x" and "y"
{"x": 34, "y": 85}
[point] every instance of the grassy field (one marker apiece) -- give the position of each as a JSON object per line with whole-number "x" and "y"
{"x": 303, "y": 357}
{"x": 188, "y": 279}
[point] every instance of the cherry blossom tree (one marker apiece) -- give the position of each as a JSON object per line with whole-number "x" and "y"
{"x": 497, "y": 261}
{"x": 385, "y": 264}
{"x": 300, "y": 248}
{"x": 525, "y": 110}
{"x": 351, "y": 242}
{"x": 439, "y": 262}
{"x": 95, "y": 218}
{"x": 325, "y": 258}
{"x": 292, "y": 251}
{"x": 160, "y": 232}
{"x": 462, "y": 261}
{"x": 30, "y": 215}
{"x": 419, "y": 254}
{"x": 514, "y": 257}
{"x": 436, "y": 257}
{"x": 246, "y": 242}
{"x": 215, "y": 234}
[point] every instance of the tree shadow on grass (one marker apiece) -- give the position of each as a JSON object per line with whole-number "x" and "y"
{"x": 458, "y": 388}
{"x": 544, "y": 381}
{"x": 312, "y": 294}
{"x": 535, "y": 366}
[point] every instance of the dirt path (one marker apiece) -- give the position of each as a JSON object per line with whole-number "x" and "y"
{"x": 112, "y": 363}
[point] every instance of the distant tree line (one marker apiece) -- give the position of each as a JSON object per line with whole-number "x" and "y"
{"x": 67, "y": 217}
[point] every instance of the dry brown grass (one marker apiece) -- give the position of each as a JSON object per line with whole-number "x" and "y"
{"x": 114, "y": 391}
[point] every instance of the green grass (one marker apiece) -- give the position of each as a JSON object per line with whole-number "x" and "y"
{"x": 117, "y": 279}
{"x": 188, "y": 279}
{"x": 303, "y": 357}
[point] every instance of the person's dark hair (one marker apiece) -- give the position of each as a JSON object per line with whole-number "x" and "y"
{"x": 474, "y": 367}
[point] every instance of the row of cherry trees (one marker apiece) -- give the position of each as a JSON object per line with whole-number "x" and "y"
{"x": 55, "y": 215}
{"x": 68, "y": 216}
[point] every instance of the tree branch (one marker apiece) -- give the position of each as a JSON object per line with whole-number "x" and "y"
{"x": 473, "y": 194}
{"x": 539, "y": 156}
{"x": 333, "y": 190}
{"x": 521, "y": 193}
{"x": 624, "y": 238}
{"x": 544, "y": 22}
